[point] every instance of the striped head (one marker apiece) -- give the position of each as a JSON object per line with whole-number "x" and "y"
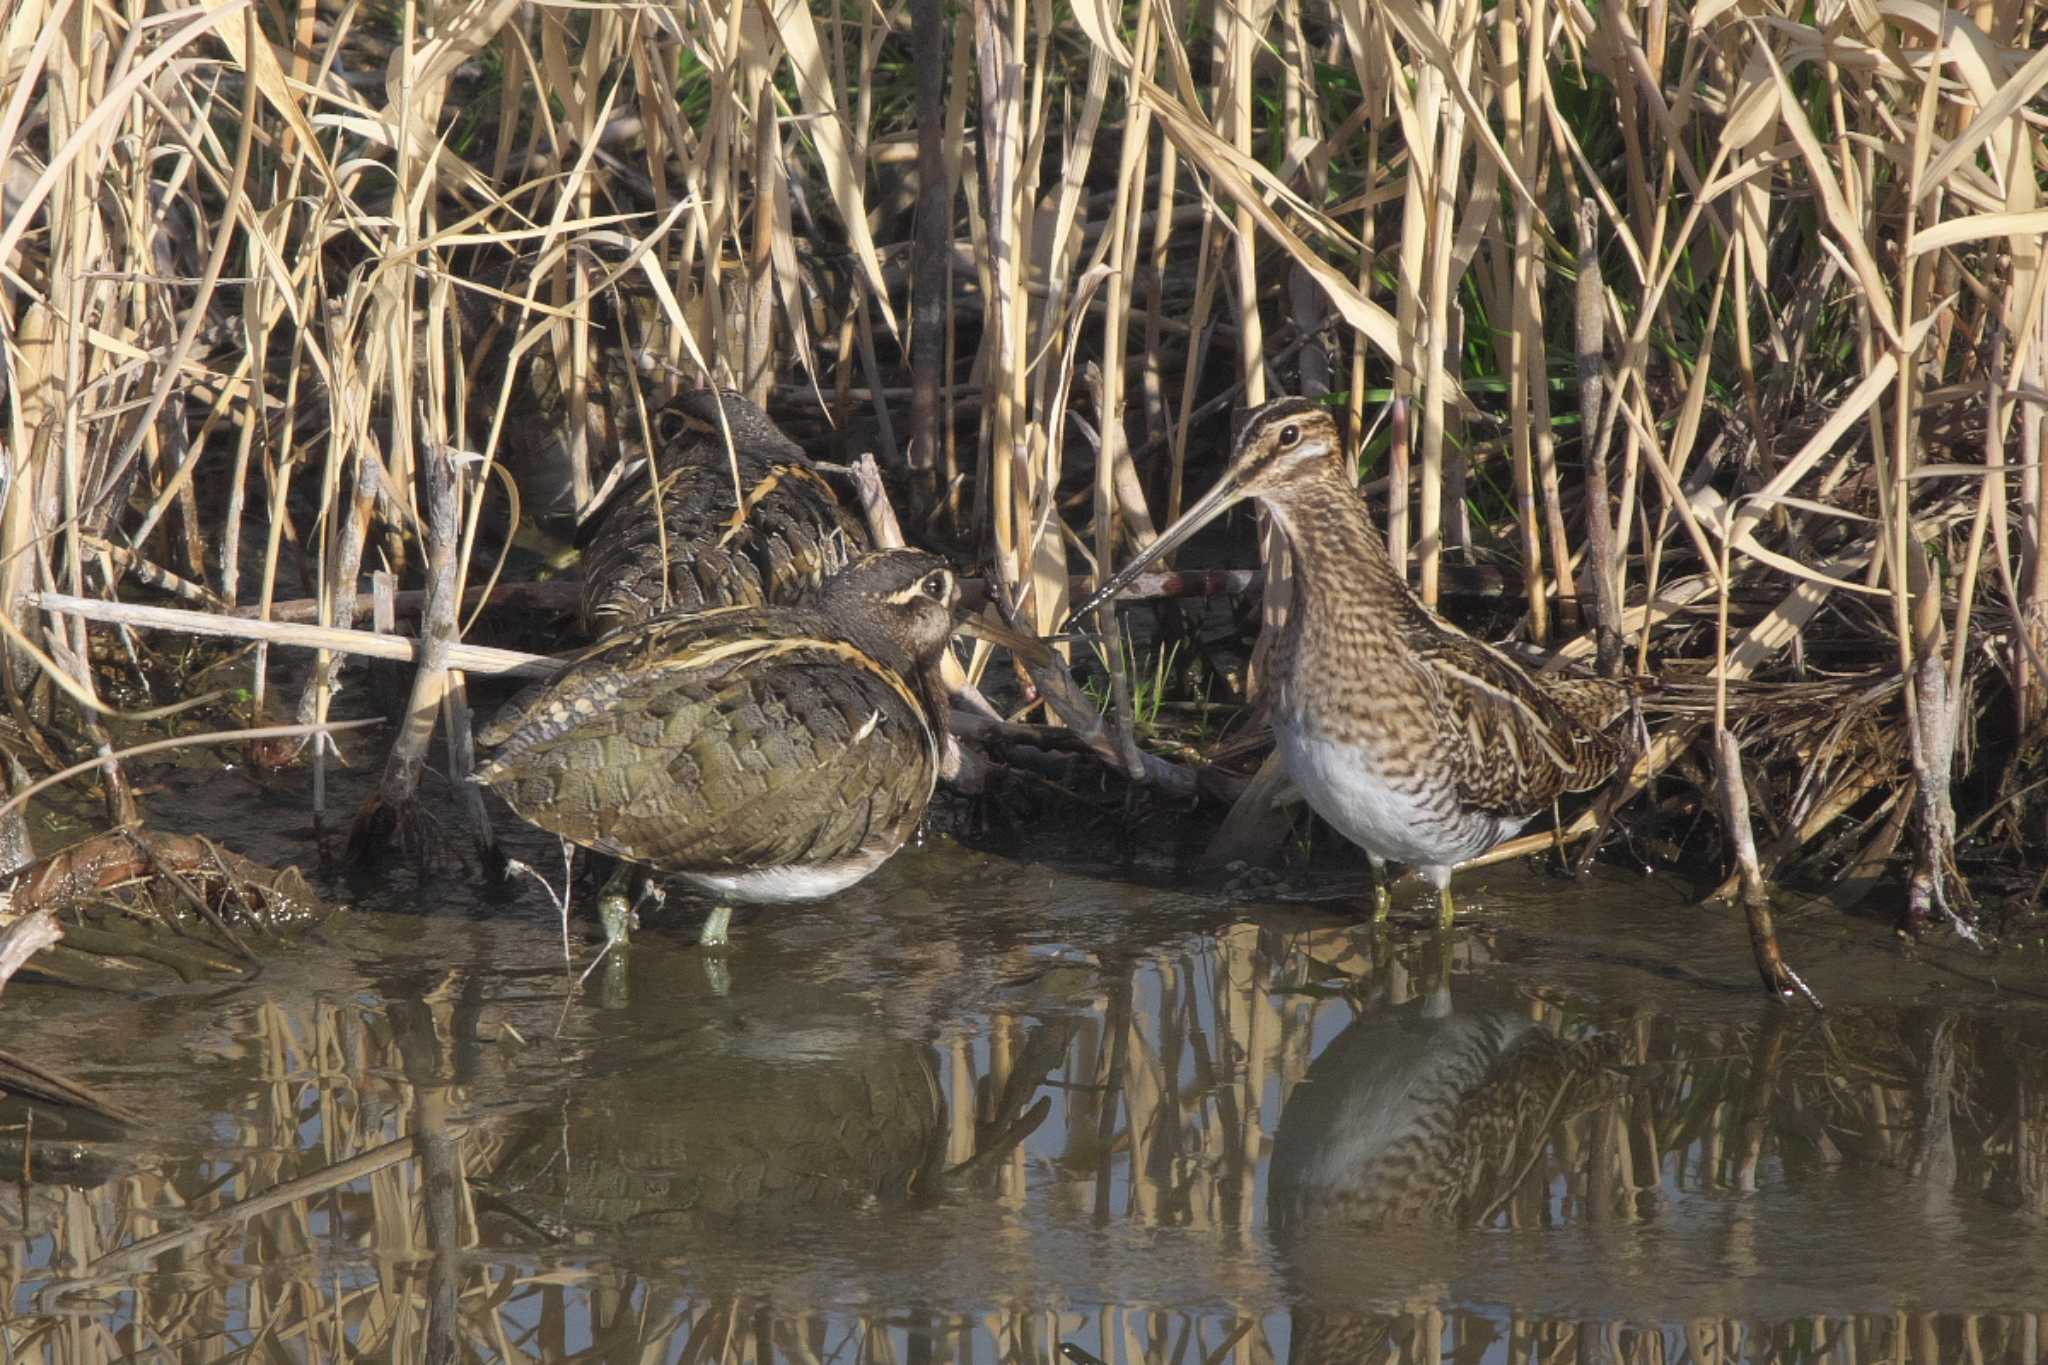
{"x": 903, "y": 607}
{"x": 1284, "y": 443}
{"x": 1287, "y": 444}
{"x": 898, "y": 605}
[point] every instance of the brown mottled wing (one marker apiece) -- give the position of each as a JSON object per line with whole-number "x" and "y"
{"x": 784, "y": 535}
{"x": 589, "y": 680}
{"x": 1592, "y": 703}
{"x": 696, "y": 747}
{"x": 638, "y": 563}
{"x": 797, "y": 532}
{"x": 1513, "y": 744}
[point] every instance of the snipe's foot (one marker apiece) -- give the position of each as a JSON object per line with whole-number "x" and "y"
{"x": 1382, "y": 902}
{"x": 615, "y": 912}
{"x": 717, "y": 929}
{"x": 618, "y": 919}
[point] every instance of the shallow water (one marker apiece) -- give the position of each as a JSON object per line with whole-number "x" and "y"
{"x": 992, "y": 1103}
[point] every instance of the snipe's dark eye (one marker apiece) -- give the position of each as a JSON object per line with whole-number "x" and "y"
{"x": 1290, "y": 436}
{"x": 670, "y": 426}
{"x": 939, "y": 586}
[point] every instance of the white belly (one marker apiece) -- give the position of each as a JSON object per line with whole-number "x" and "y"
{"x": 1344, "y": 785}
{"x": 778, "y": 885}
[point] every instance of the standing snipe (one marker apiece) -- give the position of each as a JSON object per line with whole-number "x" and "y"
{"x": 1417, "y": 742}
{"x": 766, "y": 754}
{"x": 695, "y": 536}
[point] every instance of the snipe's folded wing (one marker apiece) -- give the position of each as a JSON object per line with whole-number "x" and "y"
{"x": 650, "y": 550}
{"x": 1512, "y": 746}
{"x": 796, "y": 530}
{"x": 727, "y": 750}
{"x": 773, "y": 536}
{"x": 808, "y": 761}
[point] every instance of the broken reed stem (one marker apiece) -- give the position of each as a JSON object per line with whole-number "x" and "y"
{"x": 394, "y": 796}
{"x": 1593, "y": 433}
{"x": 564, "y": 597}
{"x": 930, "y": 258}
{"x": 25, "y": 938}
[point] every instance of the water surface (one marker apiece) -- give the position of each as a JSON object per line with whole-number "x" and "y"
{"x": 990, "y": 1104}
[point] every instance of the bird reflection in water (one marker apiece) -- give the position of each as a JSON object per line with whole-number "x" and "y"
{"x": 777, "y": 1125}
{"x": 1420, "y": 1116}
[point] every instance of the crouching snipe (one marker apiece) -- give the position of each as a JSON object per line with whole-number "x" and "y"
{"x": 764, "y": 754}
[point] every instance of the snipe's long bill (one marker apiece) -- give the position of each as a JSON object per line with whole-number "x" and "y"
{"x": 1415, "y": 741}
{"x": 765, "y": 754}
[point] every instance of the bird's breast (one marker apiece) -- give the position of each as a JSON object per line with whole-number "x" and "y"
{"x": 794, "y": 881}
{"x": 1349, "y": 781}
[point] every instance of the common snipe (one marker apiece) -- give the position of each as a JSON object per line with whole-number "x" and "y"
{"x": 767, "y": 536}
{"x": 1421, "y": 1116}
{"x": 1417, "y": 742}
{"x": 765, "y": 754}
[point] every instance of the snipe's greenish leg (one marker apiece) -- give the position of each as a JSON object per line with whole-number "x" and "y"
{"x": 1417, "y": 742}
{"x": 749, "y": 523}
{"x": 618, "y": 905}
{"x": 764, "y": 754}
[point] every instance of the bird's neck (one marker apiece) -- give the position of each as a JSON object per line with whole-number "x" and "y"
{"x": 925, "y": 679}
{"x": 1341, "y": 564}
{"x": 930, "y": 683}
{"x": 1345, "y": 620}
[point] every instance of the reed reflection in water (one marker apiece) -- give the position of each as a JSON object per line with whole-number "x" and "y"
{"x": 1241, "y": 1141}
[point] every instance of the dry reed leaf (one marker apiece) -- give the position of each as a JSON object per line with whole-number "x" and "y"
{"x": 1805, "y": 573}
{"x": 787, "y": 272}
{"x": 2030, "y": 225}
{"x": 1074, "y": 172}
{"x": 1754, "y": 109}
{"x": 1846, "y": 414}
{"x": 1995, "y": 116}
{"x": 25, "y": 43}
{"x": 1478, "y": 214}
{"x": 837, "y": 155}
{"x": 649, "y": 263}
{"x": 260, "y": 64}
{"x": 1203, "y": 148}
{"x": 109, "y": 109}
{"x": 563, "y": 83}
{"x": 1828, "y": 510}
{"x": 1681, "y": 503}
{"x": 1749, "y": 141}
{"x": 436, "y": 60}
{"x": 381, "y": 128}
{"x": 1100, "y": 22}
{"x": 1416, "y": 27}
{"x": 1848, "y": 233}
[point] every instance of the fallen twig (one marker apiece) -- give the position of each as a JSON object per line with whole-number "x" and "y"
{"x": 25, "y": 938}
{"x": 470, "y": 658}
{"x": 20, "y": 798}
